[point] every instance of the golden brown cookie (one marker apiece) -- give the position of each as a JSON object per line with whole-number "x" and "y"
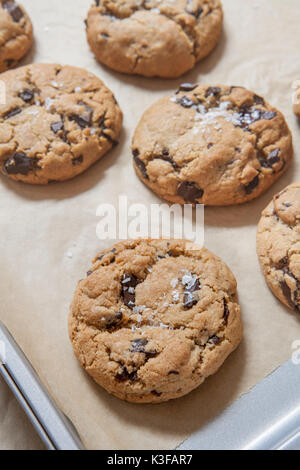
{"x": 153, "y": 38}
{"x": 57, "y": 121}
{"x": 215, "y": 145}
{"x": 154, "y": 318}
{"x": 16, "y": 34}
{"x": 278, "y": 245}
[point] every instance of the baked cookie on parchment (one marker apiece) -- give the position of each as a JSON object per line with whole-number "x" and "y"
{"x": 153, "y": 38}
{"x": 16, "y": 34}
{"x": 215, "y": 145}
{"x": 278, "y": 245}
{"x": 57, "y": 121}
{"x": 154, "y": 318}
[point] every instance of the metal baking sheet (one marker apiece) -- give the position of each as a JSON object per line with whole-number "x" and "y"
{"x": 54, "y": 428}
{"x": 266, "y": 418}
{"x": 50, "y": 235}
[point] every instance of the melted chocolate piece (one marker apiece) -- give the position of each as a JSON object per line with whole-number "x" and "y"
{"x": 82, "y": 120}
{"x": 140, "y": 164}
{"x": 150, "y": 354}
{"x": 19, "y": 164}
{"x": 129, "y": 283}
{"x": 189, "y": 192}
{"x": 191, "y": 286}
{"x": 185, "y": 102}
{"x": 270, "y": 160}
{"x": 167, "y": 158}
{"x": 258, "y": 100}
{"x": 189, "y": 300}
{"x": 287, "y": 294}
{"x": 215, "y": 339}
{"x": 77, "y": 160}
{"x": 226, "y": 311}
{"x": 85, "y": 119}
{"x": 268, "y": 115}
{"x": 213, "y": 91}
{"x": 273, "y": 157}
{"x": 282, "y": 263}
{"x": 252, "y": 185}
{"x": 114, "y": 320}
{"x": 26, "y": 95}
{"x": 125, "y": 375}
{"x": 194, "y": 11}
{"x": 104, "y": 129}
{"x": 138, "y": 345}
{"x": 14, "y": 10}
{"x": 186, "y": 87}
{"x": 57, "y": 126}
{"x": 248, "y": 115}
{"x": 12, "y": 113}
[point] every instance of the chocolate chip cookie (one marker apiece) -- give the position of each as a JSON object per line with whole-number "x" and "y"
{"x": 16, "y": 34}
{"x": 162, "y": 38}
{"x": 57, "y": 122}
{"x": 278, "y": 245}
{"x": 215, "y": 145}
{"x": 154, "y": 318}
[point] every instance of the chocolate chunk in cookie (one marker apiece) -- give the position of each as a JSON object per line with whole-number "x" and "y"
{"x": 20, "y": 164}
{"x": 129, "y": 283}
{"x": 153, "y": 323}
{"x": 58, "y": 109}
{"x": 225, "y": 145}
{"x": 17, "y": 34}
{"x": 190, "y": 192}
{"x": 278, "y": 242}
{"x": 154, "y": 39}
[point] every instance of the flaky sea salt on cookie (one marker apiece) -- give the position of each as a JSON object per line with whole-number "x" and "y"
{"x": 153, "y": 38}
{"x": 154, "y": 318}
{"x": 56, "y": 122}
{"x": 214, "y": 145}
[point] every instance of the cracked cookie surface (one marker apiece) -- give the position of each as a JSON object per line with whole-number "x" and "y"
{"x": 278, "y": 245}
{"x": 16, "y": 34}
{"x": 57, "y": 122}
{"x": 154, "y": 318}
{"x": 163, "y": 38}
{"x": 216, "y": 145}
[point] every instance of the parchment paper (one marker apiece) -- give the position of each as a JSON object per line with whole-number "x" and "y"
{"x": 48, "y": 234}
